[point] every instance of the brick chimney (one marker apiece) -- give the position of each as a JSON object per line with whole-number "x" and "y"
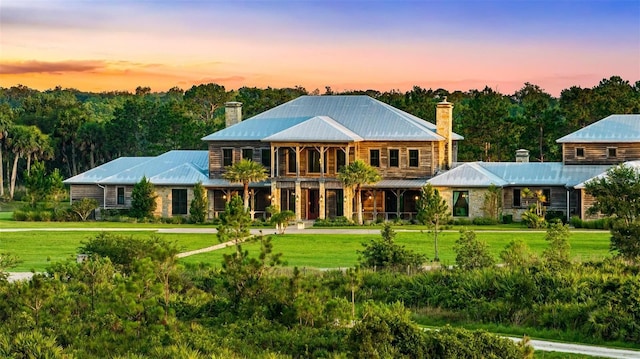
{"x": 522, "y": 155}
{"x": 232, "y": 113}
{"x": 444, "y": 127}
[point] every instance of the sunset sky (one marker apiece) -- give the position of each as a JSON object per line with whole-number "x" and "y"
{"x": 103, "y": 45}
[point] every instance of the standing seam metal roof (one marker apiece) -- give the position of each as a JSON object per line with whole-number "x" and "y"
{"x": 614, "y": 128}
{"x": 366, "y": 117}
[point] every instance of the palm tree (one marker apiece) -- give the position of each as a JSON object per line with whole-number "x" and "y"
{"x": 245, "y": 172}
{"x": 356, "y": 174}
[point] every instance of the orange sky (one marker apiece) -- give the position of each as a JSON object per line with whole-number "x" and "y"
{"x": 457, "y": 45}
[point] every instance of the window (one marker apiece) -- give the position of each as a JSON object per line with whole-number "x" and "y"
{"x": 178, "y": 201}
{"x": 517, "y": 198}
{"x": 291, "y": 161}
{"x": 227, "y": 157}
{"x": 374, "y": 158}
{"x": 547, "y": 197}
{"x": 461, "y": 203}
{"x": 612, "y": 152}
{"x": 341, "y": 159}
{"x": 313, "y": 163}
{"x": 413, "y": 158}
{"x": 247, "y": 153}
{"x": 120, "y": 195}
{"x": 580, "y": 152}
{"x": 394, "y": 158}
{"x": 266, "y": 157}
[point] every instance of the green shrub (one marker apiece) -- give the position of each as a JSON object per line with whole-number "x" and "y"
{"x": 462, "y": 222}
{"x": 532, "y": 220}
{"x": 484, "y": 221}
{"x": 551, "y": 216}
{"x": 19, "y": 215}
{"x": 333, "y": 222}
{"x": 507, "y": 218}
{"x": 45, "y": 216}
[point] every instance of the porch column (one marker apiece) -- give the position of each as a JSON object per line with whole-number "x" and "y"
{"x": 275, "y": 195}
{"x": 375, "y": 206}
{"x": 297, "y": 166}
{"x": 322, "y": 200}
{"x": 347, "y": 202}
{"x": 298, "y": 201}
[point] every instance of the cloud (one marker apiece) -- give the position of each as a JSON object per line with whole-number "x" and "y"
{"x": 42, "y": 67}
{"x": 228, "y": 79}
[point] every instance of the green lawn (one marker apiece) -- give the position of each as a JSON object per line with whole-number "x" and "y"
{"x": 334, "y": 251}
{"x": 37, "y": 248}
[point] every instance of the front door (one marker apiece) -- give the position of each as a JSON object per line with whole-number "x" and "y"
{"x": 313, "y": 205}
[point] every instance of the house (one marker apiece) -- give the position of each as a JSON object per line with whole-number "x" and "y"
{"x": 587, "y": 154}
{"x": 303, "y": 144}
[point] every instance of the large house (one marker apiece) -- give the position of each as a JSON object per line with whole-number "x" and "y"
{"x": 304, "y": 142}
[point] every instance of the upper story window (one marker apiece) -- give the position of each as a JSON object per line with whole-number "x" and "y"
{"x": 341, "y": 159}
{"x": 313, "y": 163}
{"x": 612, "y": 152}
{"x": 580, "y": 152}
{"x": 414, "y": 160}
{"x": 291, "y": 161}
{"x": 227, "y": 157}
{"x": 265, "y": 157}
{"x": 247, "y": 153}
{"x": 394, "y": 158}
{"x": 374, "y": 158}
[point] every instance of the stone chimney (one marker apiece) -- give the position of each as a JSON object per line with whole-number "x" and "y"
{"x": 522, "y": 155}
{"x": 444, "y": 125}
{"x": 232, "y": 113}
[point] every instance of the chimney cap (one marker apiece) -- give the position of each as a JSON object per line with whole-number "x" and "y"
{"x": 233, "y": 104}
{"x": 444, "y": 102}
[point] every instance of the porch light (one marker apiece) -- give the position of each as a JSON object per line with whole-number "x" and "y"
{"x": 417, "y": 198}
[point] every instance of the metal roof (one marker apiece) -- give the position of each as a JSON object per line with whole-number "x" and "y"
{"x": 632, "y": 164}
{"x": 502, "y": 174}
{"x": 615, "y": 128}
{"x": 467, "y": 175}
{"x": 173, "y": 167}
{"x": 398, "y": 183}
{"x": 318, "y": 128}
{"x": 366, "y": 117}
{"x": 254, "y": 129}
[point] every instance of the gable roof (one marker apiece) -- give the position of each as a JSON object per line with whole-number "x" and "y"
{"x": 318, "y": 128}
{"x": 614, "y": 128}
{"x": 468, "y": 175}
{"x": 502, "y": 174}
{"x": 364, "y": 116}
{"x": 173, "y": 167}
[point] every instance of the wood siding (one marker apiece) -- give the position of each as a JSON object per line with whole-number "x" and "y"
{"x": 425, "y": 158}
{"x": 216, "y": 168}
{"x": 598, "y": 153}
{"x": 78, "y": 192}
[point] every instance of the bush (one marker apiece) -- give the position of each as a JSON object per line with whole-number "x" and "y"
{"x": 19, "y": 215}
{"x": 333, "y": 222}
{"x": 484, "y": 221}
{"x": 602, "y": 223}
{"x": 462, "y": 222}
{"x": 552, "y": 216}
{"x": 507, "y": 218}
{"x": 532, "y": 220}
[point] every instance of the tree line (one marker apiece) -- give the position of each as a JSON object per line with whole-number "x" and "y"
{"x": 75, "y": 131}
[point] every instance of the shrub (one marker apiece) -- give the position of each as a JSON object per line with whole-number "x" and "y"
{"x": 532, "y": 220}
{"x": 19, "y": 215}
{"x": 333, "y": 222}
{"x": 552, "y": 216}
{"x": 484, "y": 221}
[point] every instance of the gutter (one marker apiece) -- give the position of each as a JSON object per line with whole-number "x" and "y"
{"x": 104, "y": 195}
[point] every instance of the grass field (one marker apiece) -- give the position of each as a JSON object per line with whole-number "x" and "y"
{"x": 333, "y": 251}
{"x": 39, "y": 248}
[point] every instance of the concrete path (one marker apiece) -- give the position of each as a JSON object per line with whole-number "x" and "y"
{"x": 590, "y": 350}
